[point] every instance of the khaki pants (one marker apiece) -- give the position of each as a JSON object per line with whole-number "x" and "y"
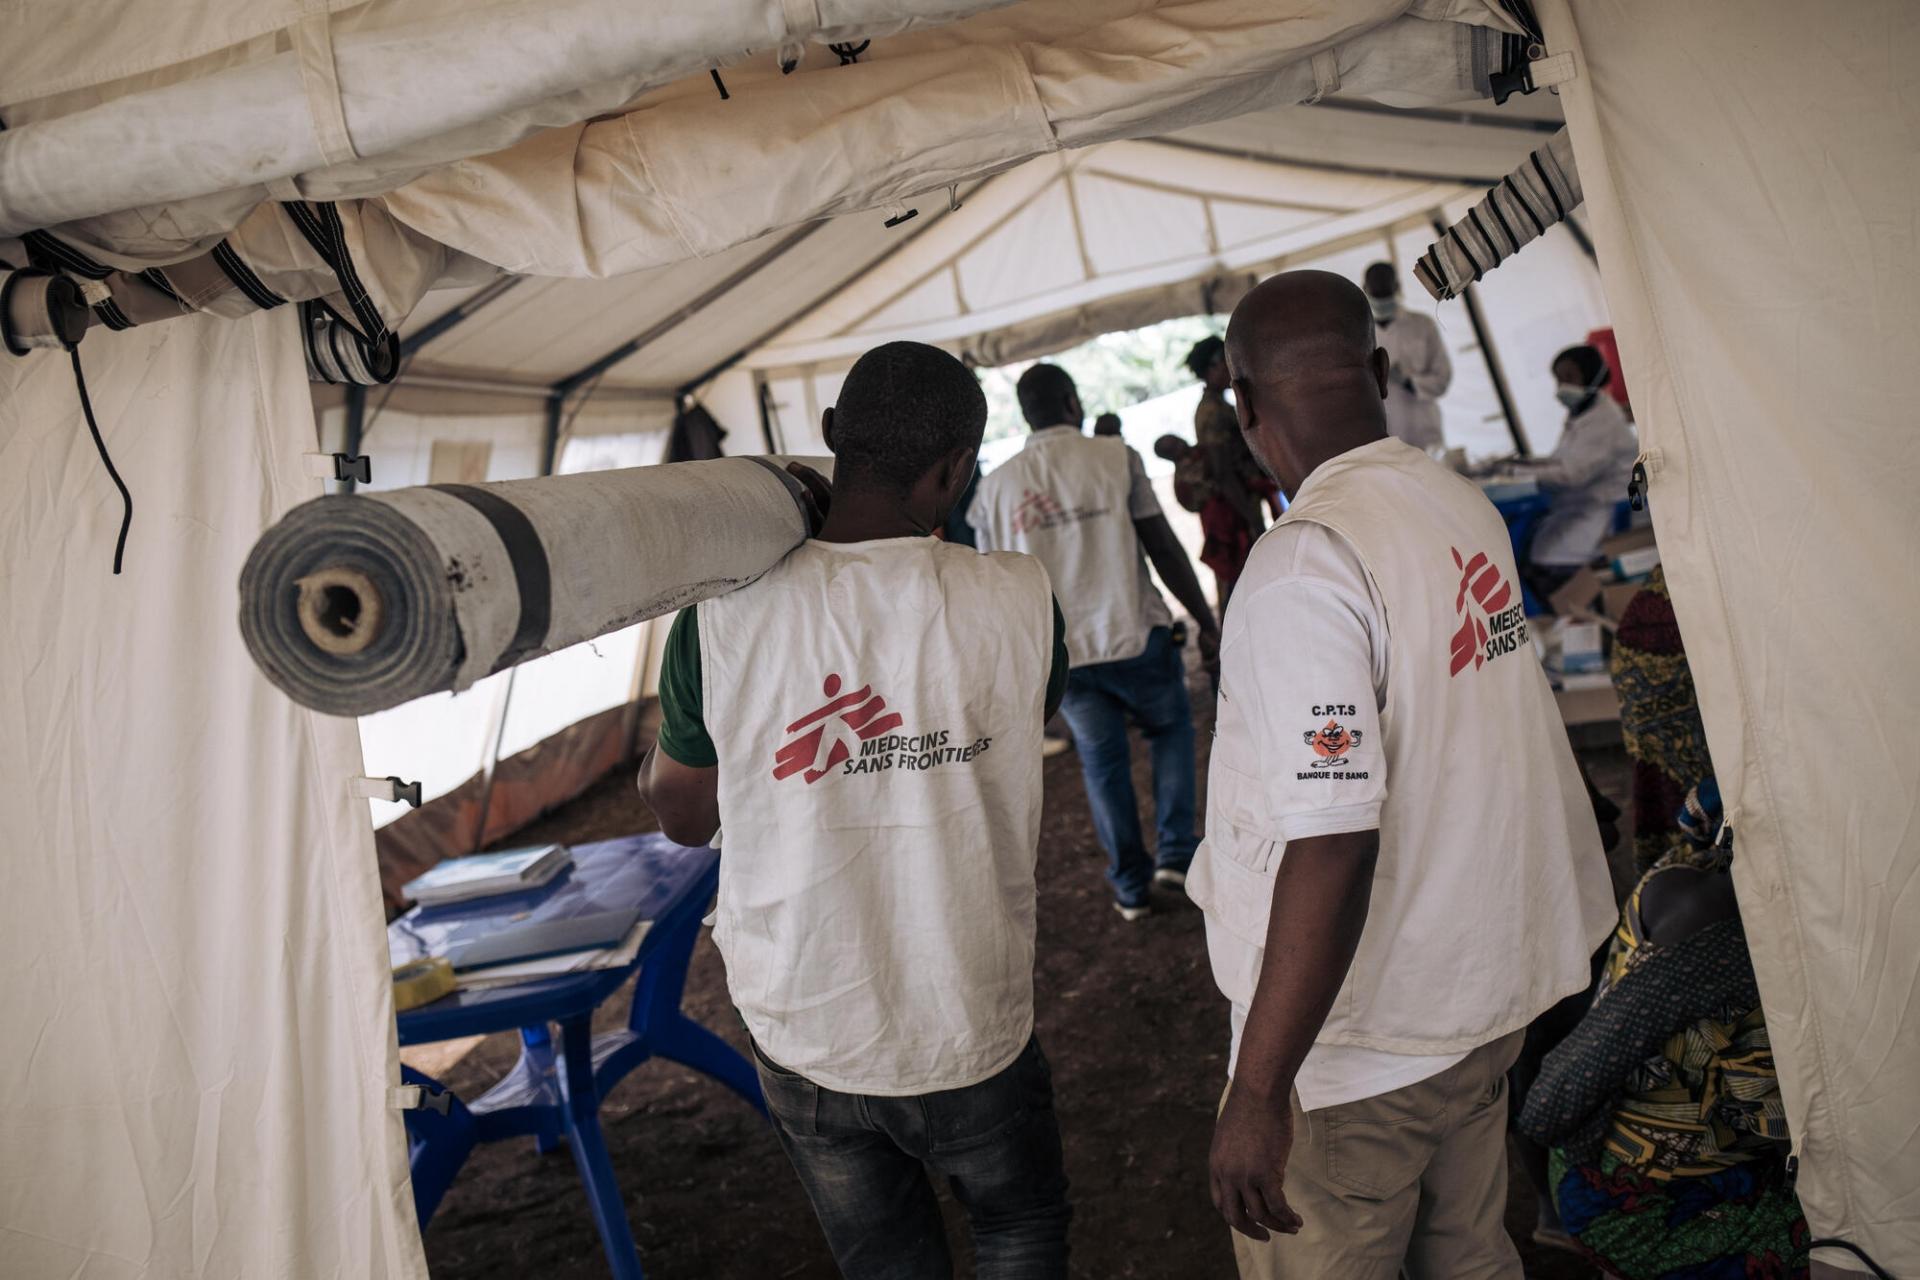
{"x": 1415, "y": 1179}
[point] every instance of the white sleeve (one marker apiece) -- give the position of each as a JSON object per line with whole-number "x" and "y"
{"x": 1434, "y": 372}
{"x": 1303, "y": 672}
{"x": 1582, "y": 457}
{"x": 1142, "y": 503}
{"x": 980, "y": 517}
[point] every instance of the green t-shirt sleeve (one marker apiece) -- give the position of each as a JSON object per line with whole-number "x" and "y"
{"x": 683, "y": 725}
{"x": 1057, "y": 675}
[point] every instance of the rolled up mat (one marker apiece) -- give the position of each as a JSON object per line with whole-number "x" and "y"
{"x": 355, "y": 603}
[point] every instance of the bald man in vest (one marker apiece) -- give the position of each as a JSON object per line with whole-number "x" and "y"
{"x": 1401, "y": 867}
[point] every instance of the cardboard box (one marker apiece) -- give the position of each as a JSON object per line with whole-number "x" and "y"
{"x": 1637, "y": 563}
{"x": 1577, "y": 595}
{"x": 1614, "y": 599}
{"x": 1588, "y": 706}
{"x": 1579, "y": 647}
{"x": 1631, "y": 540}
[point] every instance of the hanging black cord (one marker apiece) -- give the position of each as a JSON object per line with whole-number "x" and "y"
{"x": 850, "y": 52}
{"x": 86, "y": 405}
{"x": 1856, "y": 1251}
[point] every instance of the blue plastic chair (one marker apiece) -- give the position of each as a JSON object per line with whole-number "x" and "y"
{"x": 553, "y": 1093}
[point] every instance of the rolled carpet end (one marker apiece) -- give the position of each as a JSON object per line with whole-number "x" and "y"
{"x": 341, "y": 610}
{"x": 353, "y": 604}
{"x": 343, "y": 607}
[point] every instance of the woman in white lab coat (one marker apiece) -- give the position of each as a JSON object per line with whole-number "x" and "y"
{"x": 1586, "y": 475}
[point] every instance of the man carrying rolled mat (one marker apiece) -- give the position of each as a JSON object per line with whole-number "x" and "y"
{"x": 863, "y": 723}
{"x": 1082, "y": 504}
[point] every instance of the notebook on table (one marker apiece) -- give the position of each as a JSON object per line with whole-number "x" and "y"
{"x": 483, "y": 875}
{"x": 502, "y": 944}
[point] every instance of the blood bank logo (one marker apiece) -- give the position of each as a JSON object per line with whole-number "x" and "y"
{"x": 1331, "y": 742}
{"x": 856, "y": 733}
{"x": 831, "y": 734}
{"x": 1493, "y": 625}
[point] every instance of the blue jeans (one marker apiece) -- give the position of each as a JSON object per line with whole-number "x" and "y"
{"x": 1151, "y": 690}
{"x": 863, "y": 1162}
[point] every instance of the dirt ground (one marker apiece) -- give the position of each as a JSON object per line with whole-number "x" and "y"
{"x": 1129, "y": 1016}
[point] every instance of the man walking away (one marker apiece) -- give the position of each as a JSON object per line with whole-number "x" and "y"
{"x": 864, "y": 724}
{"x": 1418, "y": 369}
{"x": 1401, "y": 868}
{"x": 1083, "y": 507}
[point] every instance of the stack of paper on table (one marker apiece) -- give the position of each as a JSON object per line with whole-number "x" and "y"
{"x": 486, "y": 874}
{"x": 564, "y": 926}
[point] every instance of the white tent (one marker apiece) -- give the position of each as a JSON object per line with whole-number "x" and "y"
{"x": 1004, "y": 179}
{"x": 1764, "y": 318}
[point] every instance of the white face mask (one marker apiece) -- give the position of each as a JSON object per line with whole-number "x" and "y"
{"x": 1569, "y": 395}
{"x": 1384, "y": 309}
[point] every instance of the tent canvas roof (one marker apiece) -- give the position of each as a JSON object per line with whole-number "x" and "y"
{"x": 1032, "y": 255}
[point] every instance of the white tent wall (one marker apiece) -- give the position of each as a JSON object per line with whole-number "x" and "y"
{"x": 197, "y": 985}
{"x": 1543, "y": 301}
{"x": 447, "y": 741}
{"x": 733, "y": 398}
{"x": 1753, "y": 213}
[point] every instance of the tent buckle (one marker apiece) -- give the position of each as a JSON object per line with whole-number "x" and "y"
{"x": 388, "y": 788}
{"x": 421, "y": 1097}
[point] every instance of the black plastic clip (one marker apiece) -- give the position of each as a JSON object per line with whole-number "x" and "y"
{"x": 356, "y": 467}
{"x": 1515, "y": 78}
{"x": 432, "y": 1099}
{"x": 407, "y": 792}
{"x": 1637, "y": 487}
{"x": 908, "y": 216}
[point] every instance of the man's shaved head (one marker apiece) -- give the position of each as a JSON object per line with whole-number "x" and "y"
{"x": 1308, "y": 377}
{"x": 1299, "y": 323}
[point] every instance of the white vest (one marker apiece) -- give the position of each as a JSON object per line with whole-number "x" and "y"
{"x": 876, "y": 708}
{"x": 1064, "y": 499}
{"x": 1491, "y": 890}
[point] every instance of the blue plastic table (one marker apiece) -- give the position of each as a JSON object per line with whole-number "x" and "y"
{"x": 553, "y": 1094}
{"x": 1523, "y": 516}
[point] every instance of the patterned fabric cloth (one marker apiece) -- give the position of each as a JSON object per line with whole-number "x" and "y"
{"x": 1659, "y": 717}
{"x": 1708, "y": 1099}
{"x": 1663, "y": 1105}
{"x": 1742, "y": 1223}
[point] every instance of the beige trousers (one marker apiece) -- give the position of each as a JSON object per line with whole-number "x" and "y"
{"x": 1412, "y": 1180}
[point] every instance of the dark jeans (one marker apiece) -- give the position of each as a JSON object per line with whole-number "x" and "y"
{"x": 1151, "y": 690}
{"x": 864, "y": 1163}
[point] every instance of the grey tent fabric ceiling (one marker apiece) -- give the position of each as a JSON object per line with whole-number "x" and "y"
{"x": 694, "y": 318}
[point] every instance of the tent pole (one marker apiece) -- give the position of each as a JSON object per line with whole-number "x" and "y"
{"x": 733, "y": 281}
{"x": 1495, "y": 371}
{"x": 496, "y": 735}
{"x": 766, "y": 411}
{"x": 1580, "y": 237}
{"x": 713, "y": 371}
{"x": 456, "y": 316}
{"x": 550, "y": 446}
{"x": 356, "y": 406}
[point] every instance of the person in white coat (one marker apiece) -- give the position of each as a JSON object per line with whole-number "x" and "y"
{"x": 1418, "y": 370}
{"x": 1586, "y": 474}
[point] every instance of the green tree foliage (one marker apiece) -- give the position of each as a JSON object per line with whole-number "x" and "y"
{"x": 1114, "y": 371}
